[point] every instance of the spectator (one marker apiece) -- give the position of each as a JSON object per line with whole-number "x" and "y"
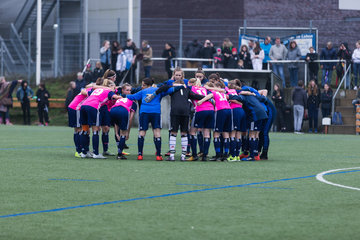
{"x": 169, "y": 54}
{"x": 300, "y": 102}
{"x": 88, "y": 77}
{"x": 245, "y": 57}
{"x": 278, "y": 52}
{"x": 278, "y": 99}
{"x": 266, "y": 46}
{"x": 98, "y": 72}
{"x": 146, "y": 50}
{"x": 251, "y": 45}
{"x": 6, "y": 89}
{"x": 114, "y": 52}
{"x": 313, "y": 102}
{"x": 356, "y": 65}
{"x": 257, "y": 56}
{"x": 192, "y": 50}
{"x": 80, "y": 83}
{"x": 293, "y": 54}
{"x": 70, "y": 93}
{"x": 130, "y": 51}
{"x": 233, "y": 60}
{"x": 357, "y": 99}
{"x": 344, "y": 53}
{"x": 313, "y": 66}
{"x": 207, "y": 52}
{"x": 120, "y": 66}
{"x": 327, "y": 53}
{"x": 326, "y": 100}
{"x": 24, "y": 94}
{"x": 218, "y": 59}
{"x": 226, "y": 50}
{"x": 105, "y": 55}
{"x": 43, "y": 104}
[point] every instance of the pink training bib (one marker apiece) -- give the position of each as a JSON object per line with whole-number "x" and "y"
{"x": 97, "y": 98}
{"x": 78, "y": 100}
{"x": 123, "y": 102}
{"x": 206, "y": 106}
{"x": 221, "y": 101}
{"x": 233, "y": 105}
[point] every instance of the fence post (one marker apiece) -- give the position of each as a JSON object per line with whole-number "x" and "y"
{"x": 311, "y": 26}
{"x": 244, "y": 26}
{"x": 118, "y": 30}
{"x": 345, "y": 76}
{"x": 29, "y": 56}
{"x": 180, "y": 38}
{"x": 305, "y": 72}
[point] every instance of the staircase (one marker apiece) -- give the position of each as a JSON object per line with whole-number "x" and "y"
{"x": 16, "y": 45}
{"x": 343, "y": 105}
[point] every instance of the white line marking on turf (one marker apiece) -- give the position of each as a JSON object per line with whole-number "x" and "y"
{"x": 320, "y": 177}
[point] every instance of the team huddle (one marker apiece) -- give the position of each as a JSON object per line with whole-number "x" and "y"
{"x": 239, "y": 117}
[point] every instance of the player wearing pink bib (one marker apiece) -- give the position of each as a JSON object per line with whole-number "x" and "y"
{"x": 203, "y": 121}
{"x": 120, "y": 113}
{"x": 239, "y": 122}
{"x": 90, "y": 111}
{"x": 74, "y": 118}
{"x": 223, "y": 120}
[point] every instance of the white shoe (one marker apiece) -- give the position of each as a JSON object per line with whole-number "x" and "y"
{"x": 355, "y": 88}
{"x": 89, "y": 155}
{"x": 82, "y": 155}
{"x": 171, "y": 158}
{"x": 183, "y": 157}
{"x": 99, "y": 156}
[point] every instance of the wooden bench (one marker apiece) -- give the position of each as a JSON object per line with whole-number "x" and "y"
{"x": 53, "y": 103}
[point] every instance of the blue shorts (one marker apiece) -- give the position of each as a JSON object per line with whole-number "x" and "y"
{"x": 105, "y": 119}
{"x": 256, "y": 126}
{"x": 89, "y": 116}
{"x": 146, "y": 118}
{"x": 223, "y": 120}
{"x": 239, "y": 119}
{"x": 74, "y": 118}
{"x": 120, "y": 116}
{"x": 204, "y": 119}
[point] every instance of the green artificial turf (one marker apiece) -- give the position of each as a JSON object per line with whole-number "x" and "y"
{"x": 162, "y": 197}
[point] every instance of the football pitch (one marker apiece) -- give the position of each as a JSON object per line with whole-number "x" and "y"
{"x": 47, "y": 193}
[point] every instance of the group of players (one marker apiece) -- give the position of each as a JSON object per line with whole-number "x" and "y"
{"x": 239, "y": 117}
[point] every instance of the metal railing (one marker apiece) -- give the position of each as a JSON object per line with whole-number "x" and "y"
{"x": 305, "y": 65}
{"x": 6, "y": 58}
{"x": 338, "y": 88}
{"x": 22, "y": 52}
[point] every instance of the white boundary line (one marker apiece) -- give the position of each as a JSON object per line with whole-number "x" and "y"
{"x": 320, "y": 177}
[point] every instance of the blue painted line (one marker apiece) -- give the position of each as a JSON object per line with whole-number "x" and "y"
{"x": 35, "y": 147}
{"x": 209, "y": 185}
{"x": 161, "y": 196}
{"x": 77, "y": 180}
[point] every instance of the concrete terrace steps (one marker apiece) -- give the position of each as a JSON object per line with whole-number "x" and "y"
{"x": 344, "y": 106}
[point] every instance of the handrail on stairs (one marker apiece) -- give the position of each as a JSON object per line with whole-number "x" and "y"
{"x": 337, "y": 90}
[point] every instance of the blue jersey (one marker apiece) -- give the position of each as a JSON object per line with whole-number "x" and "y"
{"x": 253, "y": 90}
{"x": 252, "y": 106}
{"x": 150, "y": 107}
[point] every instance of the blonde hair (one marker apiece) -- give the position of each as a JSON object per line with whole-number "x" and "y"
{"x": 108, "y": 82}
{"x": 195, "y": 82}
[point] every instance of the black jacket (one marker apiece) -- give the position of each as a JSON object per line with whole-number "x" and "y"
{"x": 326, "y": 99}
{"x": 180, "y": 103}
{"x": 97, "y": 73}
{"x": 233, "y": 61}
{"x": 192, "y": 50}
{"x": 313, "y": 66}
{"x": 278, "y": 100}
{"x": 42, "y": 97}
{"x": 169, "y": 54}
{"x": 314, "y": 99}
{"x": 245, "y": 56}
{"x": 299, "y": 96}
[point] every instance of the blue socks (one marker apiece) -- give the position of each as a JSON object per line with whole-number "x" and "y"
{"x": 238, "y": 146}
{"x": 157, "y": 142}
{"x": 141, "y": 140}
{"x": 200, "y": 139}
{"x": 85, "y": 141}
{"x": 95, "y": 139}
{"x": 121, "y": 144}
{"x": 226, "y": 146}
{"x": 77, "y": 141}
{"x": 206, "y": 146}
{"x": 193, "y": 143}
{"x": 233, "y": 147}
{"x": 217, "y": 146}
{"x": 105, "y": 141}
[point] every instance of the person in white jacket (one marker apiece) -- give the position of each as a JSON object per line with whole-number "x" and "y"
{"x": 257, "y": 55}
{"x": 120, "y": 65}
{"x": 356, "y": 65}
